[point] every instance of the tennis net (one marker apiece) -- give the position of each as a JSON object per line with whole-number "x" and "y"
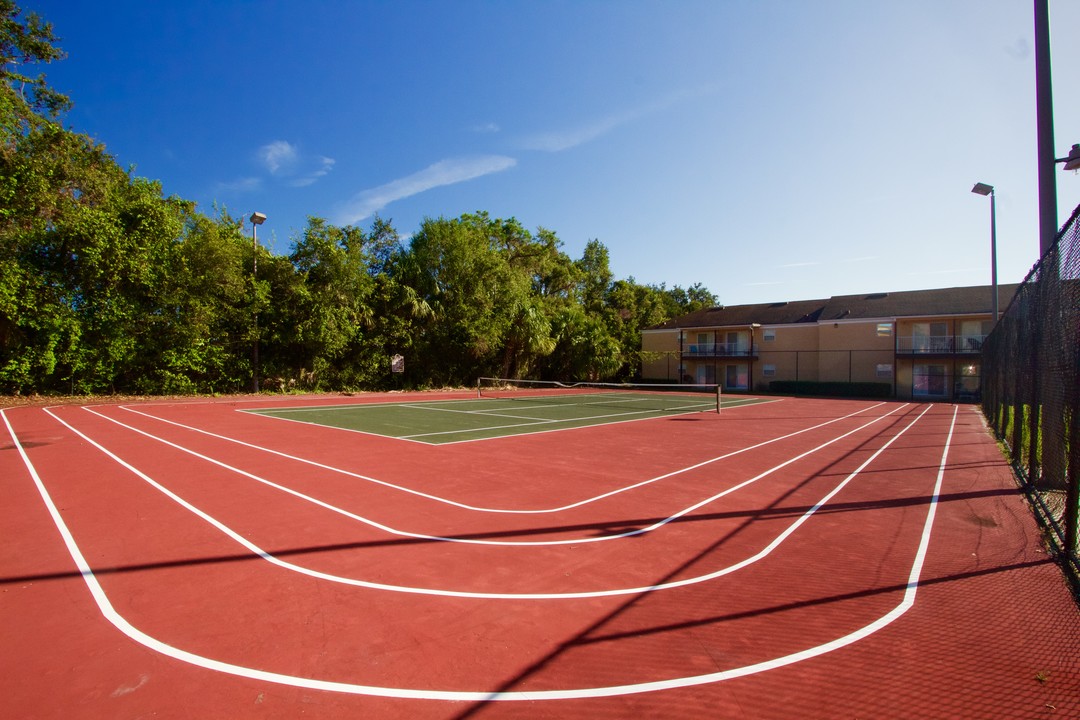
{"x": 646, "y": 397}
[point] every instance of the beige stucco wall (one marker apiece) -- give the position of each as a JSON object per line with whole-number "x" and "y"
{"x": 838, "y": 351}
{"x": 792, "y": 352}
{"x": 660, "y": 355}
{"x": 851, "y": 351}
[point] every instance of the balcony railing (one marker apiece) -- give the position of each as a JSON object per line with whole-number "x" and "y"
{"x": 716, "y": 350}
{"x": 940, "y": 345}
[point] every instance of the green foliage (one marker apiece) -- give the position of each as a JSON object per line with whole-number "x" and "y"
{"x": 26, "y": 41}
{"x": 106, "y": 285}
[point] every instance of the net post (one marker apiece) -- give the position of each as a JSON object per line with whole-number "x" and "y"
{"x": 478, "y": 395}
{"x": 719, "y": 392}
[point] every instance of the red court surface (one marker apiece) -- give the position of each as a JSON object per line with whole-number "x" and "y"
{"x": 792, "y": 559}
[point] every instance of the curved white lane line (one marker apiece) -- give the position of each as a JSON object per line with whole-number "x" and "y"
{"x": 118, "y": 621}
{"x": 259, "y": 552}
{"x": 475, "y": 508}
{"x": 465, "y": 541}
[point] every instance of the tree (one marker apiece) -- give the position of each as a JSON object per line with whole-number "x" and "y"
{"x": 25, "y": 42}
{"x": 206, "y": 295}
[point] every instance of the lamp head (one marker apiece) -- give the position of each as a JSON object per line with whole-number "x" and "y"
{"x": 1072, "y": 160}
{"x": 257, "y": 218}
{"x": 982, "y": 189}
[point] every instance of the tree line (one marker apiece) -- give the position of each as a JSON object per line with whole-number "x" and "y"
{"x": 109, "y": 286}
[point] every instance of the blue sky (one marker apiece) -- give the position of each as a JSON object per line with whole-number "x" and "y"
{"x": 770, "y": 150}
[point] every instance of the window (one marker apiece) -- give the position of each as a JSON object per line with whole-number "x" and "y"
{"x": 768, "y": 370}
{"x": 770, "y": 335}
{"x": 884, "y": 329}
{"x": 737, "y": 377}
{"x": 884, "y": 370}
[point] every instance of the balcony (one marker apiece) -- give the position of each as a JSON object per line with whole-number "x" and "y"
{"x": 715, "y": 350}
{"x": 940, "y": 345}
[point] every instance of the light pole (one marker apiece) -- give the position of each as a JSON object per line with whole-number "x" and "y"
{"x": 984, "y": 190}
{"x": 257, "y": 219}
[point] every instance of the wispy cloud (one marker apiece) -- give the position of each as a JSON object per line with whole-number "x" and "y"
{"x": 277, "y": 156}
{"x": 444, "y": 172}
{"x": 246, "y": 184}
{"x": 801, "y": 264}
{"x": 321, "y": 166}
{"x": 559, "y": 140}
{"x": 486, "y": 128}
{"x": 287, "y": 162}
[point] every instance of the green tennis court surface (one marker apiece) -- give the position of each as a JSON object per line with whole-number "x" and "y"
{"x": 448, "y": 421}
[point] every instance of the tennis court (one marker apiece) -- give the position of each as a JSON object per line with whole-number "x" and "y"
{"x": 503, "y": 408}
{"x": 285, "y": 557}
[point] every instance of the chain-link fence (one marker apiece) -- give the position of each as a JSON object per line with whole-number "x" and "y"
{"x": 1031, "y": 389}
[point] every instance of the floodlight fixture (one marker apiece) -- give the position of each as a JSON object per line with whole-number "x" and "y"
{"x": 982, "y": 189}
{"x": 1072, "y": 160}
{"x": 257, "y": 218}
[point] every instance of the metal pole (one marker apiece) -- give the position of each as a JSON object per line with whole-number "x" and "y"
{"x": 1044, "y": 119}
{"x": 993, "y": 257}
{"x": 254, "y": 273}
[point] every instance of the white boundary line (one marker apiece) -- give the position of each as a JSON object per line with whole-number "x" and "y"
{"x": 440, "y": 538}
{"x": 652, "y": 415}
{"x": 475, "y": 508}
{"x": 259, "y": 552}
{"x": 118, "y": 621}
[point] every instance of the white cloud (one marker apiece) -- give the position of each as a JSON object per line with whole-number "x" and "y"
{"x": 444, "y": 172}
{"x": 240, "y": 185}
{"x": 321, "y": 166}
{"x": 557, "y": 141}
{"x": 286, "y": 161}
{"x": 278, "y": 156}
{"x": 486, "y": 128}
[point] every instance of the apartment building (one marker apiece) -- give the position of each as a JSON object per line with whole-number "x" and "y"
{"x": 924, "y": 344}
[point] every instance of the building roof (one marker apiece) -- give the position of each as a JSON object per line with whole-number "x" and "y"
{"x": 778, "y": 313}
{"x": 909, "y": 303}
{"x": 913, "y": 303}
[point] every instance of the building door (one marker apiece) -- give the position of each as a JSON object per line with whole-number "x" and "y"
{"x": 929, "y": 380}
{"x": 737, "y": 377}
{"x": 706, "y": 375}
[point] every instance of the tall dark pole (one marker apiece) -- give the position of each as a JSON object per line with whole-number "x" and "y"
{"x": 1044, "y": 118}
{"x": 257, "y": 219}
{"x": 993, "y": 256}
{"x": 254, "y": 274}
{"x": 984, "y": 190}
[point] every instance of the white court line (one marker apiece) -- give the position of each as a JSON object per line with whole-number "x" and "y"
{"x": 475, "y": 508}
{"x": 259, "y": 552}
{"x": 484, "y": 413}
{"x": 532, "y": 422}
{"x": 118, "y": 621}
{"x": 440, "y": 538}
